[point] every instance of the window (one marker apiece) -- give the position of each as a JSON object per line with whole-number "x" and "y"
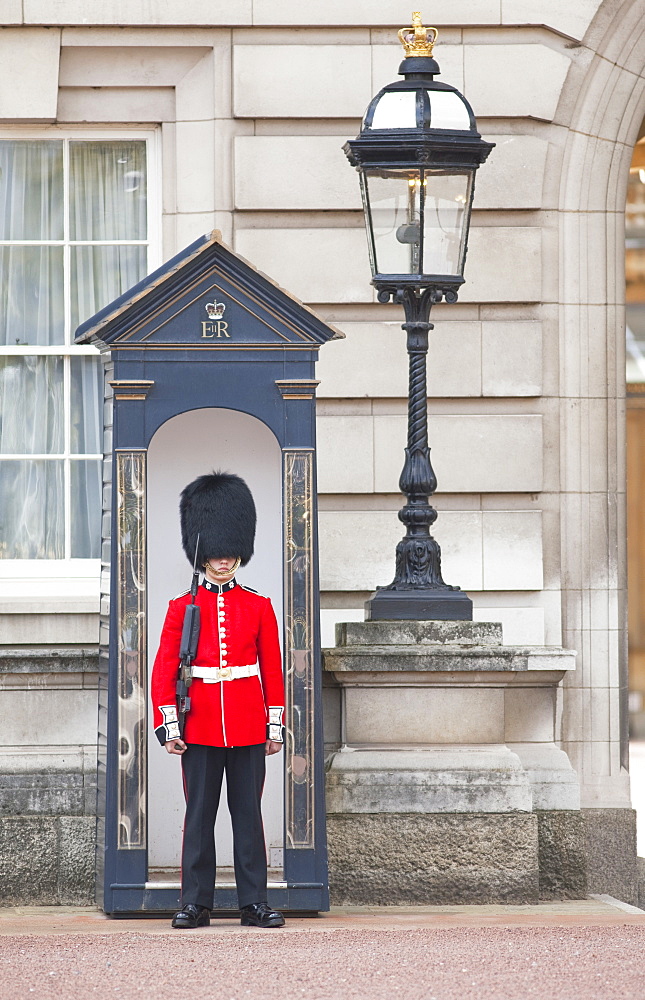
{"x": 74, "y": 234}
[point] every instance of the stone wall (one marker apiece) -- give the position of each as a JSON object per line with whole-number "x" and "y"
{"x": 248, "y": 105}
{"x": 48, "y": 776}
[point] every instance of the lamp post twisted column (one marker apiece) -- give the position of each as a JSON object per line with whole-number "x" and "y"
{"x": 418, "y": 589}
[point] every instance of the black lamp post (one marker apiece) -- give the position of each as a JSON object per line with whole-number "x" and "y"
{"x": 417, "y": 154}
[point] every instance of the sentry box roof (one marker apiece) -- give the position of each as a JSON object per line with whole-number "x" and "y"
{"x": 206, "y": 297}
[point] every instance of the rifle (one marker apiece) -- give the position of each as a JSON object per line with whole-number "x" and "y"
{"x": 188, "y": 648}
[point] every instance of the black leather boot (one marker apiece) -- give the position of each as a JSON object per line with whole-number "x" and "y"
{"x": 192, "y": 915}
{"x": 260, "y": 915}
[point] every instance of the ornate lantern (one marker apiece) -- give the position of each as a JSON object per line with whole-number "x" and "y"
{"x": 417, "y": 154}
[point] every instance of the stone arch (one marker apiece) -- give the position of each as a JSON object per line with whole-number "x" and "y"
{"x": 602, "y": 106}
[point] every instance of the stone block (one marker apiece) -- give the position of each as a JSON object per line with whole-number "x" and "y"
{"x": 640, "y": 868}
{"x": 459, "y": 534}
{"x": 35, "y": 794}
{"x": 338, "y": 438}
{"x": 530, "y": 85}
{"x": 443, "y": 664}
{"x": 567, "y": 18}
{"x": 127, "y": 66}
{"x": 114, "y": 104}
{"x": 195, "y": 90}
{"x": 512, "y": 550}
{"x": 147, "y": 13}
{"x": 561, "y": 852}
{"x": 521, "y": 626}
{"x": 28, "y": 660}
{"x": 316, "y": 265}
{"x": 339, "y": 81}
{"x": 37, "y": 717}
{"x": 30, "y": 55}
{"x": 29, "y": 860}
{"x": 454, "y": 360}
{"x": 48, "y": 629}
{"x": 529, "y": 715}
{"x": 191, "y": 225}
{"x": 329, "y": 619}
{"x": 610, "y": 846}
{"x": 12, "y": 12}
{"x": 294, "y": 172}
{"x": 450, "y": 779}
{"x": 457, "y": 858}
{"x": 356, "y": 632}
{"x": 511, "y": 359}
{"x": 195, "y": 167}
{"x": 504, "y": 264}
{"x": 418, "y": 716}
{"x": 362, "y": 12}
{"x": 47, "y": 860}
{"x": 513, "y": 175}
{"x": 48, "y": 780}
{"x": 554, "y": 783}
{"x": 77, "y": 864}
{"x": 483, "y": 453}
{"x": 331, "y": 713}
{"x": 371, "y": 361}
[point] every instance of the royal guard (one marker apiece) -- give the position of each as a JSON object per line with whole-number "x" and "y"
{"x": 235, "y": 698}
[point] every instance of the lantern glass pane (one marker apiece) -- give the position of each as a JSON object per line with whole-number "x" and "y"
{"x": 447, "y": 110}
{"x": 445, "y": 221}
{"x": 396, "y": 109}
{"x": 417, "y": 220}
{"x": 394, "y": 208}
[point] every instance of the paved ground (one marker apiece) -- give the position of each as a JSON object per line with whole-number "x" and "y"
{"x": 588, "y": 950}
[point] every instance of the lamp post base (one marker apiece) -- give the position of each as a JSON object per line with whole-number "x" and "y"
{"x": 438, "y": 604}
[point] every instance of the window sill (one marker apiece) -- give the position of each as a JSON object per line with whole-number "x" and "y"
{"x": 50, "y": 587}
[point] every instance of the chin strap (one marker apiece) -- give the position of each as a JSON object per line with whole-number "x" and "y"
{"x": 228, "y": 572}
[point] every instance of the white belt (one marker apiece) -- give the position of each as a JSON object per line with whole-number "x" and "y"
{"x": 213, "y": 675}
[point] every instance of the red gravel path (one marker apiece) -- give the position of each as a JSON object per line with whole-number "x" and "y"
{"x": 464, "y": 963}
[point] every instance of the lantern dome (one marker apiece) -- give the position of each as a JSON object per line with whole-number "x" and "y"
{"x": 420, "y": 104}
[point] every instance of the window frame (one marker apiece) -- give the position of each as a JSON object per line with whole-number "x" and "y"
{"x": 75, "y": 576}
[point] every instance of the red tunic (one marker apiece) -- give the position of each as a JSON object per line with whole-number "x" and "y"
{"x": 238, "y": 628}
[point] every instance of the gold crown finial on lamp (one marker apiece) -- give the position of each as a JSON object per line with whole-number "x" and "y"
{"x": 417, "y": 40}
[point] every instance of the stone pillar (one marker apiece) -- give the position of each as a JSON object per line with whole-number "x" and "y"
{"x": 448, "y": 785}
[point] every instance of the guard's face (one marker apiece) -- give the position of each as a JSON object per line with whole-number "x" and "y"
{"x": 221, "y": 570}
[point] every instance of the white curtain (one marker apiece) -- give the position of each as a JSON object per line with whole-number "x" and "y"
{"x": 107, "y": 199}
{"x": 107, "y": 202}
{"x": 31, "y": 491}
{"x": 107, "y": 190}
{"x": 31, "y": 190}
{"x": 31, "y": 509}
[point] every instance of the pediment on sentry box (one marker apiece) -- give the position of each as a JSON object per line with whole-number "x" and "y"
{"x": 206, "y": 297}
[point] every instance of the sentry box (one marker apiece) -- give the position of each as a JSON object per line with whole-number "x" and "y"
{"x": 208, "y": 365}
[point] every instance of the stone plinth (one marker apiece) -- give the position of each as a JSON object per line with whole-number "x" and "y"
{"x": 450, "y": 734}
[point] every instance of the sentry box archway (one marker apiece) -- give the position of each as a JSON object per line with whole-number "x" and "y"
{"x": 205, "y": 333}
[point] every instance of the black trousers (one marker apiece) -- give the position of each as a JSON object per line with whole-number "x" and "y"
{"x": 203, "y": 768}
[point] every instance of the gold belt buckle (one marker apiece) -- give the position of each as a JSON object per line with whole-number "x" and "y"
{"x": 225, "y": 673}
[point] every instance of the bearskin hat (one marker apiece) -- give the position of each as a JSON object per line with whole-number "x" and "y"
{"x": 220, "y": 509}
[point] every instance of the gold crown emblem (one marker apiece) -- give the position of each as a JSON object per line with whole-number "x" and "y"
{"x": 417, "y": 40}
